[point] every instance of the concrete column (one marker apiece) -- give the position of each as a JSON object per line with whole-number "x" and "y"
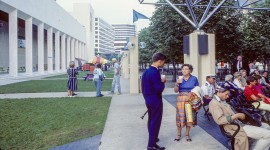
{"x": 68, "y": 51}
{"x": 57, "y": 51}
{"x": 79, "y": 49}
{"x": 134, "y": 64}
{"x": 126, "y": 65}
{"x": 41, "y": 48}
{"x": 202, "y": 64}
{"x": 50, "y": 49}
{"x": 29, "y": 45}
{"x": 76, "y": 49}
{"x": 63, "y": 52}
{"x": 72, "y": 49}
{"x": 13, "y": 43}
{"x": 82, "y": 54}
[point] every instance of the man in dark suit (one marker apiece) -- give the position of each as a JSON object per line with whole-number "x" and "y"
{"x": 152, "y": 87}
{"x": 239, "y": 64}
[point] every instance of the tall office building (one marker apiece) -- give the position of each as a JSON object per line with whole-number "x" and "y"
{"x": 83, "y": 12}
{"x": 122, "y": 33}
{"x": 104, "y": 36}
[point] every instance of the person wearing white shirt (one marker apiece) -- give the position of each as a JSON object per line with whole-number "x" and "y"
{"x": 98, "y": 78}
{"x": 208, "y": 89}
{"x": 237, "y": 80}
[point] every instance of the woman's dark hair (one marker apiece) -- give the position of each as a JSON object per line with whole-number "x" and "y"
{"x": 257, "y": 77}
{"x": 98, "y": 65}
{"x": 250, "y": 79}
{"x": 158, "y": 56}
{"x": 187, "y": 65}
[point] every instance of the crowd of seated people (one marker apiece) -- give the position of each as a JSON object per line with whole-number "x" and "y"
{"x": 255, "y": 89}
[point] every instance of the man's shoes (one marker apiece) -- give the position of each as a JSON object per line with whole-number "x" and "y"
{"x": 156, "y": 147}
{"x": 157, "y": 139}
{"x": 101, "y": 95}
{"x": 74, "y": 94}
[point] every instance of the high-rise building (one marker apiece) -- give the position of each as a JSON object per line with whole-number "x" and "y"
{"x": 122, "y": 33}
{"x": 104, "y": 36}
{"x": 83, "y": 12}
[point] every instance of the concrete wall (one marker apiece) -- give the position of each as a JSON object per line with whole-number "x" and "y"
{"x": 84, "y": 13}
{"x": 50, "y": 13}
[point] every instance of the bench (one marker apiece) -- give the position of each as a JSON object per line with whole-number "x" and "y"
{"x": 228, "y": 135}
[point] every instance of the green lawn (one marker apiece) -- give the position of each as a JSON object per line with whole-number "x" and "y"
{"x": 108, "y": 74}
{"x": 51, "y": 85}
{"x": 47, "y": 123}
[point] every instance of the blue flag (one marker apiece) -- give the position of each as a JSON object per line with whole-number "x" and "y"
{"x": 137, "y": 15}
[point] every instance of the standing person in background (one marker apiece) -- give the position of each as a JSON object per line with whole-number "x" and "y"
{"x": 116, "y": 77}
{"x": 252, "y": 66}
{"x": 72, "y": 79}
{"x": 239, "y": 64}
{"x": 98, "y": 79}
{"x": 244, "y": 77}
{"x": 152, "y": 87}
{"x": 183, "y": 87}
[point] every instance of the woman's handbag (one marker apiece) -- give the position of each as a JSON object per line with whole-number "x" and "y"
{"x": 189, "y": 113}
{"x": 196, "y": 104}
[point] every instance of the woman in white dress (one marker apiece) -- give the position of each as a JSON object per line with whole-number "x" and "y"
{"x": 237, "y": 80}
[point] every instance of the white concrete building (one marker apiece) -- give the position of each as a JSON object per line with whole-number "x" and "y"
{"x": 48, "y": 37}
{"x": 104, "y": 36}
{"x": 122, "y": 33}
{"x": 83, "y": 12}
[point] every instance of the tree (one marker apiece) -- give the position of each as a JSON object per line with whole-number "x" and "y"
{"x": 145, "y": 54}
{"x": 168, "y": 29}
{"x": 257, "y": 33}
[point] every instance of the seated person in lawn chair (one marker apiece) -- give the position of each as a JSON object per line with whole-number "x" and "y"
{"x": 252, "y": 95}
{"x": 208, "y": 91}
{"x": 234, "y": 90}
{"x": 224, "y": 115}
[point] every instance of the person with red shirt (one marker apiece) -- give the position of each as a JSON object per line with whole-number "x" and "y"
{"x": 252, "y": 94}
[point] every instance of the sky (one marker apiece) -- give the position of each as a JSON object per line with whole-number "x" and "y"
{"x": 117, "y": 11}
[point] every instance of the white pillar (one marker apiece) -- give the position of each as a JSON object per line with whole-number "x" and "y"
{"x": 76, "y": 49}
{"x": 126, "y": 65}
{"x": 83, "y": 51}
{"x": 68, "y": 51}
{"x": 29, "y": 45}
{"x": 79, "y": 43}
{"x": 63, "y": 52}
{"x": 134, "y": 64}
{"x": 72, "y": 49}
{"x": 41, "y": 48}
{"x": 201, "y": 62}
{"x": 50, "y": 49}
{"x": 13, "y": 43}
{"x": 57, "y": 51}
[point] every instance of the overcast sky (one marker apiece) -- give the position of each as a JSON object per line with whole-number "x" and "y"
{"x": 117, "y": 11}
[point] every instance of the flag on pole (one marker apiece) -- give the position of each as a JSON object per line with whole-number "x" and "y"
{"x": 137, "y": 15}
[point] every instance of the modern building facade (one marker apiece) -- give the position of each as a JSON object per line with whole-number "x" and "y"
{"x": 122, "y": 34}
{"x": 83, "y": 12}
{"x": 33, "y": 38}
{"x": 104, "y": 36}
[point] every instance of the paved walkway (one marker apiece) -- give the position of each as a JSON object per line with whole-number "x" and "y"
{"x": 125, "y": 130}
{"x": 49, "y": 95}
